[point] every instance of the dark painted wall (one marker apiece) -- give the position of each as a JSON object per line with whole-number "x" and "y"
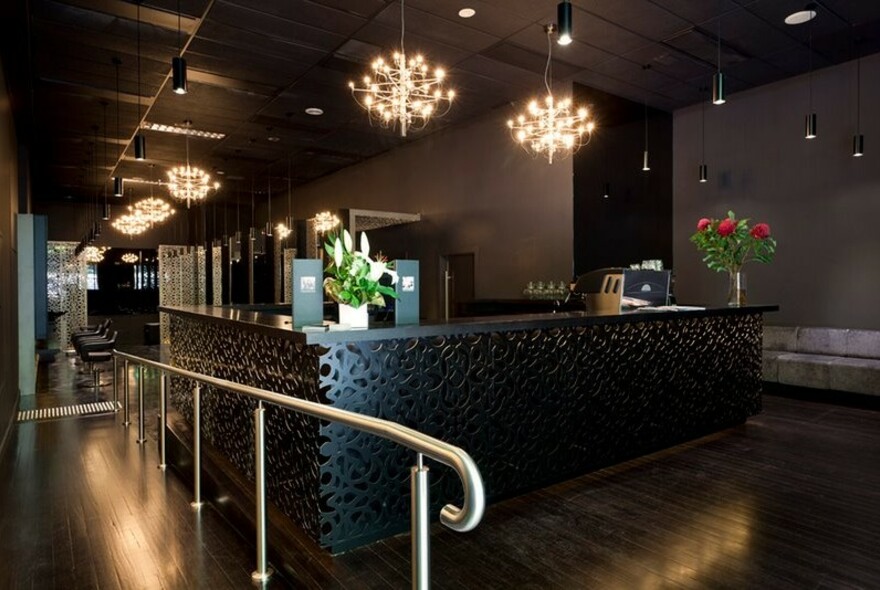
{"x": 9, "y": 197}
{"x": 634, "y": 222}
{"x": 477, "y": 191}
{"x": 822, "y": 204}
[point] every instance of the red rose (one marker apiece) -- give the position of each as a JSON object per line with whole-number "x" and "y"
{"x": 760, "y": 231}
{"x": 726, "y": 227}
{"x": 703, "y": 224}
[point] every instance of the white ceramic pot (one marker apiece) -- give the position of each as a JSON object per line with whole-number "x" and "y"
{"x": 354, "y": 317}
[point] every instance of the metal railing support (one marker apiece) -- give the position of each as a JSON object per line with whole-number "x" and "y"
{"x": 262, "y": 572}
{"x": 197, "y": 447}
{"x": 115, "y": 383}
{"x": 141, "y": 439}
{"x": 421, "y": 532}
{"x": 163, "y": 416}
{"x": 126, "y": 417}
{"x": 463, "y": 518}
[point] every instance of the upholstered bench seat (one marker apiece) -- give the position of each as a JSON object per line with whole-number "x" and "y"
{"x": 823, "y": 358}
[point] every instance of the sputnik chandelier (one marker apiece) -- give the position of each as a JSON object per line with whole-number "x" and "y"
{"x": 94, "y": 254}
{"x": 283, "y": 231}
{"x": 132, "y": 223}
{"x": 155, "y": 210}
{"x": 188, "y": 183}
{"x": 129, "y": 258}
{"x": 555, "y": 129}
{"x": 403, "y": 93}
{"x": 325, "y": 221}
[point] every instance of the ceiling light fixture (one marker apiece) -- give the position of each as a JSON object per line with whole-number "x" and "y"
{"x": 718, "y": 77}
{"x": 94, "y": 254}
{"x": 645, "y": 166}
{"x": 153, "y": 210}
{"x": 467, "y": 12}
{"x": 129, "y": 258}
{"x": 181, "y": 130}
{"x": 314, "y": 111}
{"x": 188, "y": 183}
{"x": 555, "y": 128}
{"x": 117, "y": 180}
{"x": 802, "y": 16}
{"x": 178, "y": 64}
{"x": 858, "y": 139}
{"x": 810, "y": 126}
{"x": 704, "y": 170}
{"x": 403, "y": 93}
{"x": 140, "y": 142}
{"x": 325, "y": 221}
{"x": 563, "y": 22}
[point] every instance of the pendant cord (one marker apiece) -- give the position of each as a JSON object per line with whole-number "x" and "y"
{"x": 646, "y": 126}
{"x": 703, "y": 109}
{"x": 402, "y": 26}
{"x": 548, "y": 71}
{"x": 858, "y": 90}
{"x": 269, "y": 209}
{"x": 719, "y": 45}
{"x": 289, "y": 194}
{"x": 116, "y": 64}
{"x": 104, "y": 107}
{"x": 811, "y": 66}
{"x": 139, "y": 60}
{"x": 179, "y": 44}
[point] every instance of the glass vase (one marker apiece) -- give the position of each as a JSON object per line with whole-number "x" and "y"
{"x": 736, "y": 291}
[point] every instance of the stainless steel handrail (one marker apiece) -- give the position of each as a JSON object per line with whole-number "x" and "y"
{"x": 460, "y": 519}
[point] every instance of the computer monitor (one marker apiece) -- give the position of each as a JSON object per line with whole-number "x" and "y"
{"x": 647, "y": 285}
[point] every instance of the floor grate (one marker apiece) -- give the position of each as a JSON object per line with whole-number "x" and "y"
{"x": 67, "y": 411}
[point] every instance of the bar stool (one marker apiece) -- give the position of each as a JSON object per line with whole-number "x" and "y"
{"x": 93, "y": 353}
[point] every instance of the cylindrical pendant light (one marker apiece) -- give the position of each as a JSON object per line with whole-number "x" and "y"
{"x": 718, "y": 78}
{"x": 810, "y": 126}
{"x": 140, "y": 147}
{"x": 105, "y": 213}
{"x": 178, "y": 64}
{"x": 563, "y": 22}
{"x": 140, "y": 142}
{"x": 858, "y": 138}
{"x": 718, "y": 88}
{"x": 178, "y": 74}
{"x": 704, "y": 173}
{"x": 117, "y": 186}
{"x": 645, "y": 166}
{"x": 858, "y": 146}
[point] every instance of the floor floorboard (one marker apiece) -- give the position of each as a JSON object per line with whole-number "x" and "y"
{"x": 789, "y": 500}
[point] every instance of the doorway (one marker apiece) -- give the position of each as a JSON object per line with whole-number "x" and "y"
{"x": 458, "y": 281}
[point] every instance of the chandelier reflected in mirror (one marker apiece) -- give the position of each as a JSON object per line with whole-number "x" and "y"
{"x": 94, "y": 254}
{"x": 189, "y": 183}
{"x": 552, "y": 128}
{"x": 403, "y": 93}
{"x": 129, "y": 258}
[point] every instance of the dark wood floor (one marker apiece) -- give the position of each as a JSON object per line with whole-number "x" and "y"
{"x": 789, "y": 500}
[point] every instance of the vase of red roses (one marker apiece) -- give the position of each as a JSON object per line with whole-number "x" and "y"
{"x": 728, "y": 244}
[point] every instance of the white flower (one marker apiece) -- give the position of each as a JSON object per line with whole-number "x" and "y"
{"x": 377, "y": 269}
{"x": 337, "y": 252}
{"x": 348, "y": 242}
{"x": 365, "y": 244}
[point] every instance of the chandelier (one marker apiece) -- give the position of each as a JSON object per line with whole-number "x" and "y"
{"x": 153, "y": 209}
{"x": 283, "y": 231}
{"x": 129, "y": 258}
{"x": 556, "y": 128}
{"x": 325, "y": 221}
{"x": 188, "y": 183}
{"x": 94, "y": 254}
{"x": 404, "y": 93}
{"x": 132, "y": 223}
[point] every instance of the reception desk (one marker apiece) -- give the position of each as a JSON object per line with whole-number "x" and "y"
{"x": 535, "y": 399}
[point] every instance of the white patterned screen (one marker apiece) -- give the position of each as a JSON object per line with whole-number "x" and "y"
{"x": 217, "y": 274}
{"x": 66, "y": 284}
{"x": 181, "y": 280}
{"x": 287, "y": 278}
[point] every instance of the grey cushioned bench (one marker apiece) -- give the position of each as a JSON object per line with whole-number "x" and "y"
{"x": 823, "y": 358}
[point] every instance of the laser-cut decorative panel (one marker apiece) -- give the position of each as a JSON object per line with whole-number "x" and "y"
{"x": 67, "y": 291}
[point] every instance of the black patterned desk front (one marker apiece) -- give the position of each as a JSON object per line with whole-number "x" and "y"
{"x": 532, "y": 406}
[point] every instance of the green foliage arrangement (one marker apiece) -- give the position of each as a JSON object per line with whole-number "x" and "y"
{"x": 354, "y": 276}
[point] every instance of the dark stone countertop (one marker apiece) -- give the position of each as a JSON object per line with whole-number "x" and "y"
{"x": 280, "y": 324}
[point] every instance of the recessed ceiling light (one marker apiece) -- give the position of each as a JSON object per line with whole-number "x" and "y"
{"x": 274, "y": 138}
{"x": 801, "y": 16}
{"x": 314, "y": 111}
{"x": 466, "y": 12}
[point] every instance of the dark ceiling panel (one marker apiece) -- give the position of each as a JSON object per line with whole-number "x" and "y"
{"x": 256, "y": 65}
